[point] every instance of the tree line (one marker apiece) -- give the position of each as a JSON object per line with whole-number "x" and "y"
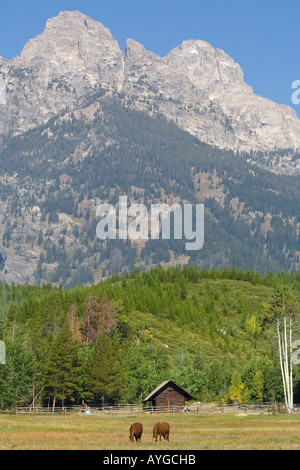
{"x": 106, "y": 343}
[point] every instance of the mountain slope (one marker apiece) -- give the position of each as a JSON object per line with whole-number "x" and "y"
{"x": 55, "y": 176}
{"x": 195, "y": 327}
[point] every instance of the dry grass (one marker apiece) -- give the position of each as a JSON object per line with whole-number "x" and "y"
{"x": 188, "y": 432}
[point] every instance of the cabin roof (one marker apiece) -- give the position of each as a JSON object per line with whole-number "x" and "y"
{"x": 187, "y": 395}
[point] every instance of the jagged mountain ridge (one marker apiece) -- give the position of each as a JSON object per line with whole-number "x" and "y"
{"x": 81, "y": 122}
{"x": 53, "y": 178}
{"x": 198, "y": 87}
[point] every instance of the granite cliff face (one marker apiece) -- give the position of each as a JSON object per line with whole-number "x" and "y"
{"x": 198, "y": 87}
{"x": 203, "y": 91}
{"x": 73, "y": 56}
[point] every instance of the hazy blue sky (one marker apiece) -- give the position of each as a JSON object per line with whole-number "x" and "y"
{"x": 261, "y": 35}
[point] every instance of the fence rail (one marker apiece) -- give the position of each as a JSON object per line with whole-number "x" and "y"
{"x": 132, "y": 409}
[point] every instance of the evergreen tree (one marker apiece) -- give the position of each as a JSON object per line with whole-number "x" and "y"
{"x": 17, "y": 376}
{"x": 62, "y": 369}
{"x": 105, "y": 372}
{"x": 40, "y": 238}
{"x": 99, "y": 315}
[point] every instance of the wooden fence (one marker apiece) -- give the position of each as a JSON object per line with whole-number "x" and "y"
{"x": 133, "y": 409}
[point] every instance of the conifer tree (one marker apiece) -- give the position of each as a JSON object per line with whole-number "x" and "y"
{"x": 17, "y": 376}
{"x": 105, "y": 372}
{"x": 99, "y": 316}
{"x": 62, "y": 369}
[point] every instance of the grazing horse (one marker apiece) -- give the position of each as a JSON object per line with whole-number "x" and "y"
{"x": 136, "y": 431}
{"x": 161, "y": 429}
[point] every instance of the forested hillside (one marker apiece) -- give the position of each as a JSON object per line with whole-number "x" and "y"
{"x": 212, "y": 332}
{"x": 55, "y": 176}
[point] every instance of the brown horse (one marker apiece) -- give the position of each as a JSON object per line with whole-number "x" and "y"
{"x": 161, "y": 429}
{"x": 135, "y": 432}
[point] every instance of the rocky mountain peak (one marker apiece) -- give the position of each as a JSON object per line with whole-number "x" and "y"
{"x": 133, "y": 47}
{"x": 74, "y": 56}
{"x": 202, "y": 64}
{"x": 73, "y": 18}
{"x": 199, "y": 87}
{"x": 71, "y": 39}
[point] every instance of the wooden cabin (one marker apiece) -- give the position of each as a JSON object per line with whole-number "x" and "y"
{"x": 168, "y": 395}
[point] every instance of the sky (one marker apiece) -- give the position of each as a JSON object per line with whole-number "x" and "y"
{"x": 261, "y": 35}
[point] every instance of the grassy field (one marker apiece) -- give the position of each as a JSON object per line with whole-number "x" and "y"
{"x": 188, "y": 432}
